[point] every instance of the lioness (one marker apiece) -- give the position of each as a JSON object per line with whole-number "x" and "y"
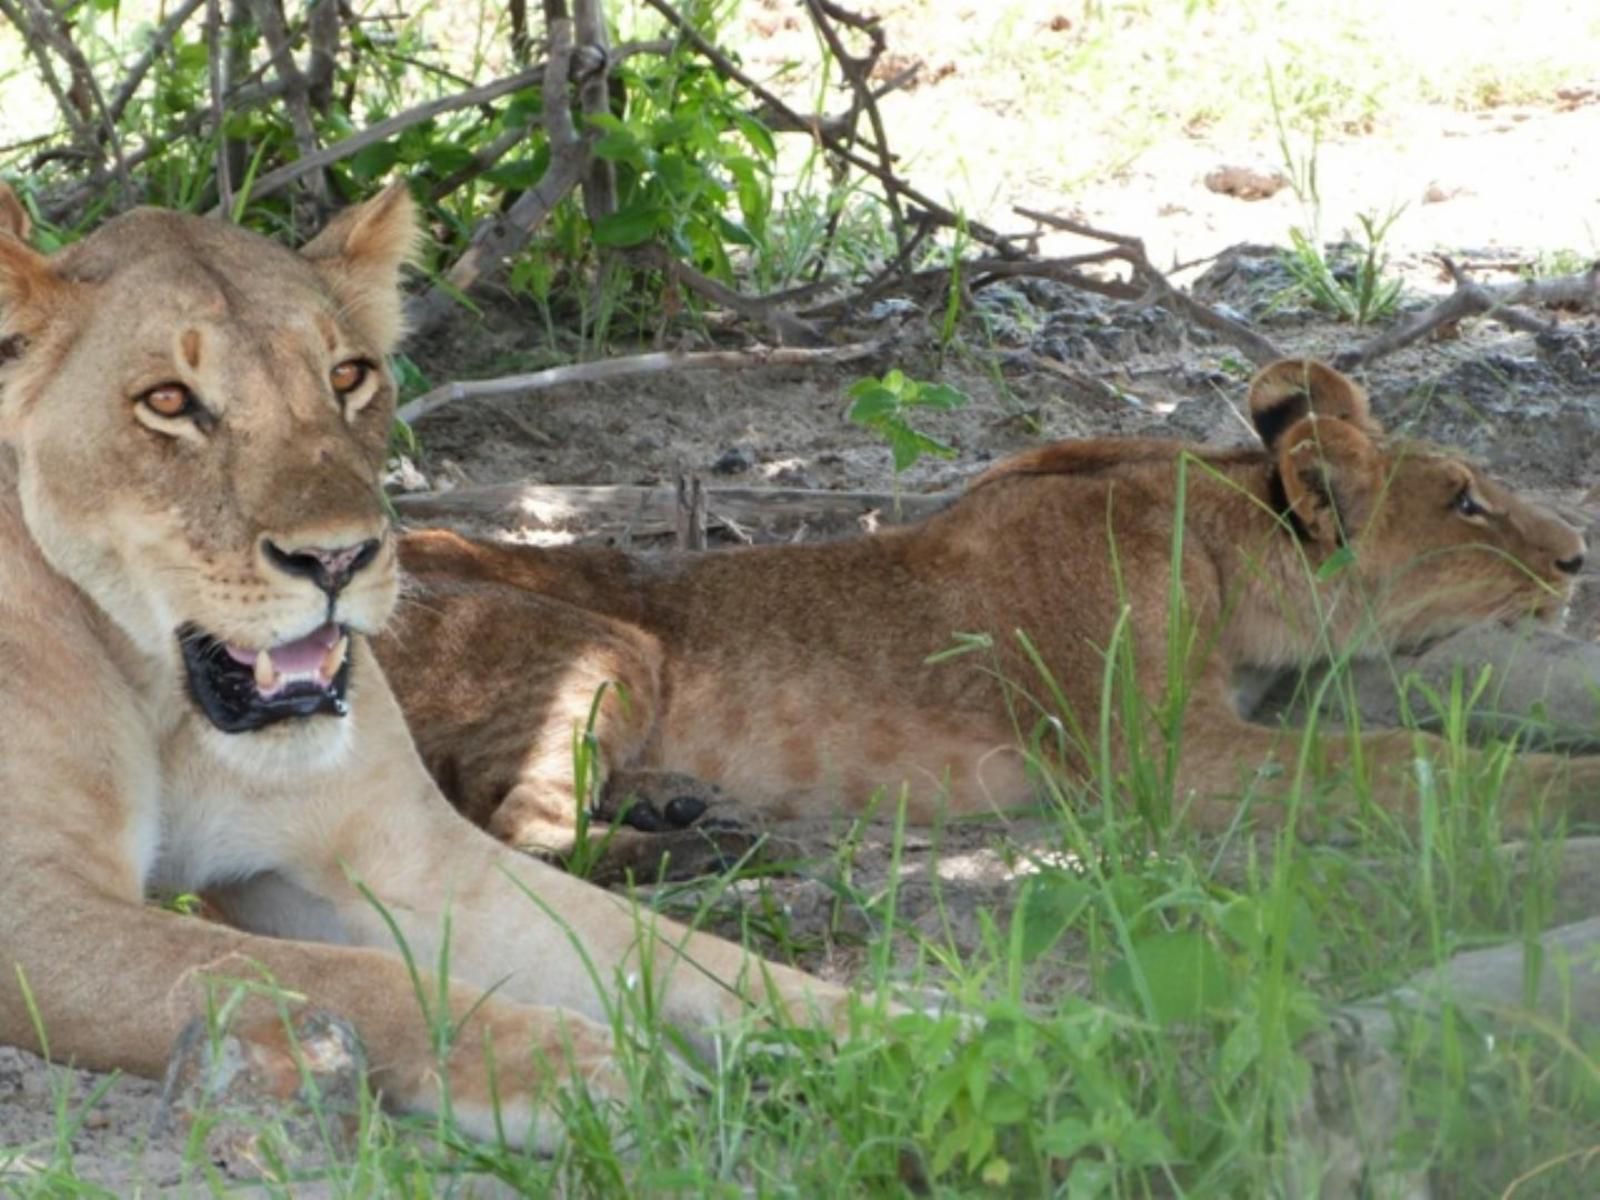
{"x": 193, "y": 553}
{"x": 799, "y": 677}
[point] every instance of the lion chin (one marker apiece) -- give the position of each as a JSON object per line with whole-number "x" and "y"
{"x": 240, "y": 690}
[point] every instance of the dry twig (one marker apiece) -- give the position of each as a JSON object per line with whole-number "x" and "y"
{"x": 276, "y": 181}
{"x": 651, "y": 511}
{"x": 1470, "y": 299}
{"x": 1157, "y": 288}
{"x": 632, "y": 364}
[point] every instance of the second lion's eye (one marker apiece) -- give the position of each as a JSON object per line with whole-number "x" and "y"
{"x": 170, "y": 400}
{"x": 349, "y": 375}
{"x": 1466, "y": 504}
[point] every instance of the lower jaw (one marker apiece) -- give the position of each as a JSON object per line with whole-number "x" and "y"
{"x": 228, "y": 698}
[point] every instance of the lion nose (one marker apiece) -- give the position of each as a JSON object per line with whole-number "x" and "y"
{"x": 331, "y": 569}
{"x": 1570, "y": 566}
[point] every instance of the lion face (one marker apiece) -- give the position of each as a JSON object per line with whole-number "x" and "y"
{"x": 1438, "y": 545}
{"x": 199, "y": 419}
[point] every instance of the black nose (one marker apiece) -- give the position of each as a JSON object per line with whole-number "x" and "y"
{"x": 1570, "y": 566}
{"x": 329, "y": 569}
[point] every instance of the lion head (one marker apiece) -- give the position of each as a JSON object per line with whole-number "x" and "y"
{"x": 1435, "y": 543}
{"x": 198, "y": 419}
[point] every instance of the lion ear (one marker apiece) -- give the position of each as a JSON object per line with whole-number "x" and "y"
{"x": 360, "y": 254}
{"x": 14, "y": 218}
{"x": 27, "y": 282}
{"x": 1333, "y": 477}
{"x": 1292, "y": 388}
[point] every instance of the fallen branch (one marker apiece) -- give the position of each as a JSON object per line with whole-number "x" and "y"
{"x": 1158, "y": 289}
{"x": 633, "y": 364}
{"x": 1471, "y": 299}
{"x": 787, "y": 328}
{"x": 650, "y": 511}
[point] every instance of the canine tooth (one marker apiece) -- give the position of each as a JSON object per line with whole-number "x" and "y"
{"x": 335, "y": 658}
{"x": 266, "y": 674}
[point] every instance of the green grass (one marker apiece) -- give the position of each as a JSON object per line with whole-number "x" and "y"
{"x": 1131, "y": 1026}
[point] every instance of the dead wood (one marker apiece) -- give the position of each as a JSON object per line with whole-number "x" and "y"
{"x": 1158, "y": 289}
{"x": 651, "y": 511}
{"x": 160, "y": 43}
{"x": 498, "y": 238}
{"x": 276, "y": 181}
{"x": 1469, "y": 299}
{"x": 633, "y": 364}
{"x": 296, "y": 91}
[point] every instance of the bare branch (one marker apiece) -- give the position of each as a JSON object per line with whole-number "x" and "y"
{"x": 269, "y": 19}
{"x": 832, "y": 141}
{"x": 633, "y": 364}
{"x": 160, "y": 41}
{"x": 322, "y": 28}
{"x": 1471, "y": 299}
{"x": 1159, "y": 289}
{"x": 858, "y": 71}
{"x": 594, "y": 99}
{"x": 789, "y": 329}
{"x": 214, "y": 67}
{"x": 649, "y": 511}
{"x": 275, "y": 181}
{"x": 499, "y": 237}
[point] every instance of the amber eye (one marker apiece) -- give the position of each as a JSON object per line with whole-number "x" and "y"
{"x": 348, "y": 376}
{"x": 170, "y": 400}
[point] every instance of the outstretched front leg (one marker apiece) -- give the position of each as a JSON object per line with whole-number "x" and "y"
{"x": 519, "y": 925}
{"x": 1224, "y": 759}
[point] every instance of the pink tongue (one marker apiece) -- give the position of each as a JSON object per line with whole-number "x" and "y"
{"x": 299, "y": 656}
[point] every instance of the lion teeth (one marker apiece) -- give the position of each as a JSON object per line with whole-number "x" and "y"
{"x": 266, "y": 673}
{"x": 335, "y": 659}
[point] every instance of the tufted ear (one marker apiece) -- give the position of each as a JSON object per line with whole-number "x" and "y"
{"x": 27, "y": 283}
{"x": 360, "y": 254}
{"x": 1333, "y": 476}
{"x": 1291, "y": 388}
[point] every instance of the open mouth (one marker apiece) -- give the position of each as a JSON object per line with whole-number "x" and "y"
{"x": 240, "y": 689}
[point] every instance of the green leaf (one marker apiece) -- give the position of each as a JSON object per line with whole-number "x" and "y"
{"x": 1049, "y": 905}
{"x": 941, "y": 396}
{"x": 442, "y": 158}
{"x": 873, "y": 403}
{"x": 757, "y": 134}
{"x": 517, "y": 176}
{"x": 526, "y": 107}
{"x": 630, "y": 226}
{"x": 372, "y": 162}
{"x": 1186, "y": 976}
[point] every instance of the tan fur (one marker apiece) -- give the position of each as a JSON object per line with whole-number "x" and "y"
{"x": 115, "y": 531}
{"x": 799, "y": 678}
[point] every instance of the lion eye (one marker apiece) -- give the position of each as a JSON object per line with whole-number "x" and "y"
{"x": 170, "y": 400}
{"x": 350, "y": 375}
{"x": 1466, "y": 505}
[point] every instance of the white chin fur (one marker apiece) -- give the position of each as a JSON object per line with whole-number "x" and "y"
{"x": 308, "y": 745}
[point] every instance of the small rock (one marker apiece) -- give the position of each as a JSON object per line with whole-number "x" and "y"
{"x": 1246, "y": 183}
{"x": 297, "y": 1083}
{"x": 734, "y": 461}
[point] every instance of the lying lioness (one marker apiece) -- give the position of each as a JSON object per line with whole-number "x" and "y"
{"x": 800, "y": 678}
{"x": 193, "y": 551}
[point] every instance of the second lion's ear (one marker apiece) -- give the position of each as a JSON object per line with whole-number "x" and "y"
{"x": 1332, "y": 477}
{"x": 360, "y": 254}
{"x": 1291, "y": 388}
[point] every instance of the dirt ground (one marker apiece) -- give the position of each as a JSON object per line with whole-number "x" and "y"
{"x": 1066, "y": 365}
